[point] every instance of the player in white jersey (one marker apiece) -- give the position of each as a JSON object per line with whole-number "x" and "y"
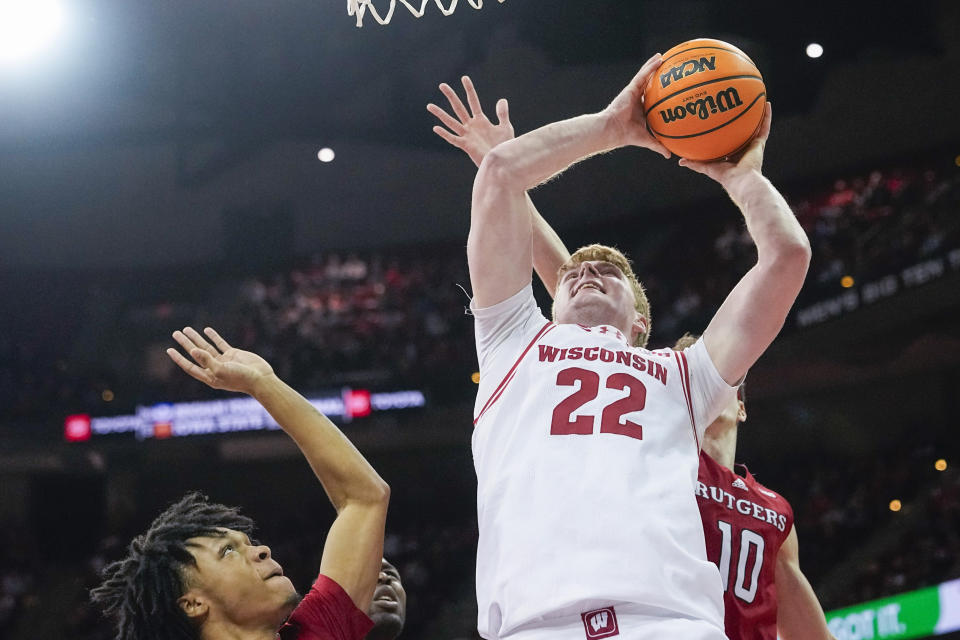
{"x": 586, "y": 444}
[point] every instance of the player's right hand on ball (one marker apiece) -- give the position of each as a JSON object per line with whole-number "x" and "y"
{"x": 626, "y": 111}
{"x": 471, "y": 131}
{"x": 220, "y": 366}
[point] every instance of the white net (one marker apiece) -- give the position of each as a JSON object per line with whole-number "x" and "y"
{"x": 359, "y": 8}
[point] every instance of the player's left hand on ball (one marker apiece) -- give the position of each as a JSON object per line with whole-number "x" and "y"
{"x": 218, "y": 365}
{"x": 626, "y": 111}
{"x": 748, "y": 161}
{"x": 471, "y": 131}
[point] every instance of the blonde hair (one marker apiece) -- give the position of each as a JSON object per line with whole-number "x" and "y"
{"x": 599, "y": 252}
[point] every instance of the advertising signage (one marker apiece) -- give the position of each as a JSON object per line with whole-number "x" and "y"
{"x": 916, "y": 614}
{"x": 176, "y": 419}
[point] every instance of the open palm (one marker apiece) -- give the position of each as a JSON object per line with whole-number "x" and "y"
{"x": 471, "y": 131}
{"x": 218, "y": 365}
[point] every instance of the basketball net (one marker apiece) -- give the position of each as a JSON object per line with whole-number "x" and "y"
{"x": 359, "y": 7}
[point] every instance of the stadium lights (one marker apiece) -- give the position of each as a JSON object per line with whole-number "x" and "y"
{"x": 895, "y": 505}
{"x": 814, "y": 50}
{"x": 846, "y": 282}
{"x": 27, "y": 27}
{"x": 940, "y": 465}
{"x": 326, "y": 155}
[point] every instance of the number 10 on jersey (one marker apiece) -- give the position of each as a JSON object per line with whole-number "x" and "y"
{"x": 748, "y": 539}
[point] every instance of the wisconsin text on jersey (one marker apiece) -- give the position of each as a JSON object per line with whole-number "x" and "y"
{"x": 744, "y": 506}
{"x": 591, "y": 354}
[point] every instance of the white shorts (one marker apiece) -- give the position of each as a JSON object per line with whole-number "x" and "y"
{"x": 629, "y": 622}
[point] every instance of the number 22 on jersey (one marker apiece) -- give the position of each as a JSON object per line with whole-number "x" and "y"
{"x": 611, "y": 419}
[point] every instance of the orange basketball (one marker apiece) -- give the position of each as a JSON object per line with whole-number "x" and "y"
{"x": 705, "y": 101}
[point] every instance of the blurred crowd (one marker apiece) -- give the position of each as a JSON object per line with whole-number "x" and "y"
{"x": 879, "y": 525}
{"x": 19, "y": 574}
{"x": 403, "y": 319}
{"x": 869, "y": 226}
{"x": 398, "y": 319}
{"x": 924, "y": 554}
{"x": 862, "y": 227}
{"x": 374, "y": 319}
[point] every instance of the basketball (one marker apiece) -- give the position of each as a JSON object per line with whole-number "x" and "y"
{"x": 706, "y": 100}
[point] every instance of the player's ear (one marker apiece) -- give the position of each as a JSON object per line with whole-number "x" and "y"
{"x": 741, "y": 412}
{"x": 194, "y": 605}
{"x": 638, "y": 328}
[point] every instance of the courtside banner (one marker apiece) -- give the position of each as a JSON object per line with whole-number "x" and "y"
{"x": 174, "y": 419}
{"x": 916, "y": 614}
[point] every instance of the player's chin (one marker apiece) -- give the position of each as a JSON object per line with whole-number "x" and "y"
{"x": 281, "y": 605}
{"x": 283, "y": 587}
{"x": 384, "y": 620}
{"x": 290, "y": 601}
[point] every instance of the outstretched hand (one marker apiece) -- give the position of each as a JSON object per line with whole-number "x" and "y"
{"x": 750, "y": 160}
{"x": 471, "y": 131}
{"x": 220, "y": 366}
{"x": 626, "y": 111}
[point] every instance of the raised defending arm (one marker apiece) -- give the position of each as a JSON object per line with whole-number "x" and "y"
{"x": 474, "y": 134}
{"x": 354, "y": 546}
{"x": 549, "y": 252}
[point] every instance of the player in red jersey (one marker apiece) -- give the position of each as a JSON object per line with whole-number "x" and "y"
{"x": 779, "y": 596}
{"x": 751, "y": 538}
{"x": 197, "y": 575}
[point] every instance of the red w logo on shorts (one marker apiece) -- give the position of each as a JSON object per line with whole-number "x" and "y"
{"x": 600, "y": 623}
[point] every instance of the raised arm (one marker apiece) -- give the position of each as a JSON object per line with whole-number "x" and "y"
{"x": 755, "y": 310}
{"x": 354, "y": 546}
{"x": 474, "y": 134}
{"x": 499, "y": 248}
{"x": 799, "y": 614}
{"x": 549, "y": 252}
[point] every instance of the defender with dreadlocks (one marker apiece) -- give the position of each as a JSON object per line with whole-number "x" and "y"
{"x": 196, "y": 574}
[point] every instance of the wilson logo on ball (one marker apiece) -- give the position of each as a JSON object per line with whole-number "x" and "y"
{"x": 706, "y": 101}
{"x": 703, "y": 108}
{"x": 688, "y": 68}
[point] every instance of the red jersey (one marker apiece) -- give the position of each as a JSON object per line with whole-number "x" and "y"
{"x": 326, "y": 613}
{"x": 744, "y": 524}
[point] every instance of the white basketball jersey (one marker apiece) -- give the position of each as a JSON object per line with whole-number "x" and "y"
{"x": 586, "y": 451}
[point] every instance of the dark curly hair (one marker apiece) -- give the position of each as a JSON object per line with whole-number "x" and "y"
{"x": 140, "y": 592}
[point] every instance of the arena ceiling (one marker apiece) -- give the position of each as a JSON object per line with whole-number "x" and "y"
{"x": 257, "y": 69}
{"x": 207, "y": 87}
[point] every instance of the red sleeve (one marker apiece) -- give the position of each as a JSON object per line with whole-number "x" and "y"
{"x": 326, "y": 613}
